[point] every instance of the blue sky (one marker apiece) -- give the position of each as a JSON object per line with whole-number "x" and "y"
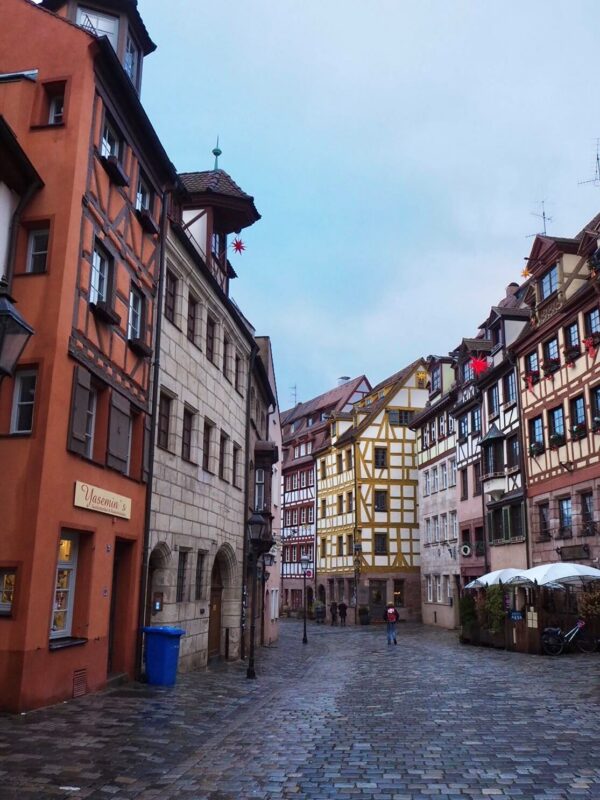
{"x": 396, "y": 151}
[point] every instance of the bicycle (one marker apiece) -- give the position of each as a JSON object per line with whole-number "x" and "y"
{"x": 554, "y": 640}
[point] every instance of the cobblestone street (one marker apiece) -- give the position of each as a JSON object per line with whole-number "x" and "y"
{"x": 344, "y": 717}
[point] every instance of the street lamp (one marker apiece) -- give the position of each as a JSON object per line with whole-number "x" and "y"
{"x": 260, "y": 540}
{"x": 14, "y": 332}
{"x": 305, "y": 561}
{"x": 357, "y": 552}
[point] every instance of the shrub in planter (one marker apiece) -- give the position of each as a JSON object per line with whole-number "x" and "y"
{"x": 466, "y": 609}
{"x": 589, "y": 604}
{"x": 494, "y": 608}
{"x": 557, "y": 440}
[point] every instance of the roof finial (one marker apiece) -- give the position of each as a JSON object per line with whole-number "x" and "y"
{"x": 216, "y": 153}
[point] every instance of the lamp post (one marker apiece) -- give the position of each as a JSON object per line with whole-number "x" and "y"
{"x": 261, "y": 542}
{"x": 305, "y": 561}
{"x": 357, "y": 552}
{"x": 14, "y": 332}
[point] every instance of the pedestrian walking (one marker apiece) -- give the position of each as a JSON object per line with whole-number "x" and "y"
{"x": 342, "y": 608}
{"x": 391, "y": 617}
{"x": 333, "y": 609}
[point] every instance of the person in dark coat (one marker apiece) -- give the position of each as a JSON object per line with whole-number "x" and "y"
{"x": 342, "y": 608}
{"x": 333, "y": 609}
{"x": 391, "y": 617}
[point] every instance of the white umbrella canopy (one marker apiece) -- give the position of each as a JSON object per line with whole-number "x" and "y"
{"x": 557, "y": 572}
{"x": 494, "y": 578}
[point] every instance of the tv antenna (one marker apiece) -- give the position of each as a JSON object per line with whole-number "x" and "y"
{"x": 294, "y": 391}
{"x": 545, "y": 220}
{"x": 596, "y": 179}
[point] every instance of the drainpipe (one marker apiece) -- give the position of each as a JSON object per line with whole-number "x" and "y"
{"x": 251, "y": 361}
{"x": 152, "y": 432}
{"x": 13, "y": 230}
{"x": 515, "y": 362}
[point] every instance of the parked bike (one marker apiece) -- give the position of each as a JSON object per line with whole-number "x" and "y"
{"x": 554, "y": 641}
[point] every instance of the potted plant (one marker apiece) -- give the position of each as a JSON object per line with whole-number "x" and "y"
{"x": 495, "y": 614}
{"x": 364, "y": 615}
{"x": 557, "y": 440}
{"x": 536, "y": 449}
{"x": 579, "y": 430}
{"x": 571, "y": 354}
{"x": 550, "y": 366}
{"x": 467, "y": 615}
{"x": 531, "y": 377}
{"x": 596, "y": 424}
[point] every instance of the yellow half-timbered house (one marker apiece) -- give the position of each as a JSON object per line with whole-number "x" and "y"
{"x": 367, "y": 498}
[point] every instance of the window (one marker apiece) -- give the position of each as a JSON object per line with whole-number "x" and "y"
{"x": 349, "y": 502}
{"x": 398, "y": 594}
{"x": 192, "y": 317}
{"x": 587, "y": 514}
{"x": 211, "y": 328}
{"x": 235, "y": 465}
{"x": 536, "y": 431}
{"x": 340, "y": 504}
{"x": 380, "y": 500}
{"x": 428, "y": 531}
{"x": 556, "y": 421}
{"x": 592, "y": 322}
{"x": 349, "y": 458}
{"x": 199, "y": 575}
{"x": 436, "y": 529}
{"x": 398, "y": 417}
{"x": 436, "y": 379}
{"x": 259, "y": 492}
{"x": 295, "y": 480}
{"x": 323, "y": 509}
{"x": 444, "y": 475}
{"x": 222, "y": 464}
{"x": 510, "y": 388}
{"x": 424, "y": 437}
{"x": 323, "y": 547}
{"x": 64, "y": 586}
{"x": 323, "y": 469}
{"x": 565, "y": 517}
{"x": 136, "y": 308}
{"x": 434, "y": 480}
{"x": 90, "y": 423}
{"x": 432, "y": 436}
{"x": 450, "y": 424}
{"x": 311, "y": 477}
{"x": 453, "y": 525}
{"x": 466, "y": 371}
{"x": 476, "y": 420}
{"x": 310, "y": 422}
{"x": 595, "y": 398}
{"x": 438, "y": 588}
{"x": 551, "y": 350}
{"x": 493, "y": 399}
{"x": 444, "y": 527}
{"x": 101, "y": 274}
{"x": 477, "y": 478}
{"x": 164, "y": 418}
{"x": 463, "y": 427}
{"x": 170, "y": 297}
{"x": 340, "y": 546}
{"x": 426, "y": 483}
{"x": 23, "y": 401}
{"x": 186, "y": 437}
{"x": 206, "y": 445}
{"x": 429, "y": 589}
{"x": 303, "y": 479}
{"x": 37, "y": 250}
{"x": 238, "y": 373}
{"x": 226, "y": 356}
{"x": 380, "y": 458}
{"x": 549, "y": 282}
{"x": 8, "y": 577}
{"x": 464, "y": 485}
{"x": 494, "y": 459}
{"x": 111, "y": 144}
{"x": 340, "y": 462}
{"x": 180, "y": 595}
{"x": 311, "y": 515}
{"x": 531, "y": 363}
{"x": 131, "y": 64}
{"x": 56, "y": 108}
{"x": 512, "y": 451}
{"x": 572, "y": 336}
{"x": 100, "y": 24}
{"x": 303, "y": 515}
{"x": 577, "y": 405}
{"x": 381, "y": 544}
{"x": 452, "y": 481}
{"x": 442, "y": 425}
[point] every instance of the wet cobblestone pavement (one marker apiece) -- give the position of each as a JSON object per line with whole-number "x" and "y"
{"x": 343, "y": 717}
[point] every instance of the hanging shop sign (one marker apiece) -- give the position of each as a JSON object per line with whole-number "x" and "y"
{"x": 95, "y": 499}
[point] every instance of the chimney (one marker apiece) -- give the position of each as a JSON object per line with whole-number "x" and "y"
{"x": 344, "y": 379}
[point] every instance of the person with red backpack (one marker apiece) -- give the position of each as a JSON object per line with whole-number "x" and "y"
{"x": 391, "y": 617}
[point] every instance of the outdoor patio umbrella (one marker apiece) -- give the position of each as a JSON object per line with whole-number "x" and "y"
{"x": 558, "y": 572}
{"x": 494, "y": 578}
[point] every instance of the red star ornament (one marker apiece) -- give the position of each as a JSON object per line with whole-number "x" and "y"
{"x": 478, "y": 365}
{"x": 238, "y": 246}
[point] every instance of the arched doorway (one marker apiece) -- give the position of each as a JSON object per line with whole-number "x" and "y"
{"x": 321, "y": 593}
{"x": 158, "y": 582}
{"x": 214, "y": 623}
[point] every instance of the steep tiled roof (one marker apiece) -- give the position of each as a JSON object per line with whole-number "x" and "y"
{"x": 334, "y": 399}
{"x": 216, "y": 181}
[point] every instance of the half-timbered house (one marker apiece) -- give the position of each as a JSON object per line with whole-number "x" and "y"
{"x": 85, "y": 264}
{"x": 438, "y": 517}
{"x": 559, "y": 364}
{"x": 305, "y": 429}
{"x": 367, "y": 499}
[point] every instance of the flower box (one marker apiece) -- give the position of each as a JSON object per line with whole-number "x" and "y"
{"x": 551, "y": 365}
{"x": 596, "y": 424}
{"x": 532, "y": 376}
{"x": 579, "y": 431}
{"x": 571, "y": 354}
{"x": 536, "y": 449}
{"x": 557, "y": 440}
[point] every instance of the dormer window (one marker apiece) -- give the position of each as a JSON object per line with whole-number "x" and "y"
{"x": 467, "y": 371}
{"x": 100, "y": 24}
{"x": 131, "y": 63}
{"x": 218, "y": 246}
{"x": 549, "y": 283}
{"x": 436, "y": 379}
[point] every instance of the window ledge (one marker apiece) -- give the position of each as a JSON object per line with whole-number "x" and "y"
{"x": 139, "y": 347}
{"x": 47, "y": 125}
{"x": 147, "y": 221}
{"x": 105, "y": 313}
{"x": 114, "y": 170}
{"x": 68, "y": 641}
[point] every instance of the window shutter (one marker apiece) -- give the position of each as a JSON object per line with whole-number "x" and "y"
{"x": 506, "y": 522}
{"x": 490, "y": 526}
{"x": 147, "y": 442}
{"x": 82, "y": 382}
{"x": 118, "y": 432}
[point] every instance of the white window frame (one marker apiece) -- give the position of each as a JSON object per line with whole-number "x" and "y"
{"x": 434, "y": 480}
{"x": 444, "y": 527}
{"x": 110, "y": 144}
{"x": 436, "y": 529}
{"x": 90, "y": 422}
{"x": 448, "y": 587}
{"x": 453, "y": 525}
{"x": 56, "y": 110}
{"x": 136, "y": 313}
{"x": 426, "y": 483}
{"x": 100, "y": 276}
{"x": 438, "y": 588}
{"x": 32, "y": 251}
{"x": 95, "y": 19}
{"x": 295, "y": 480}
{"x": 452, "y": 476}
{"x": 259, "y": 489}
{"x": 295, "y": 517}
{"x": 443, "y": 476}
{"x": 303, "y": 479}
{"x": 71, "y": 567}
{"x": 131, "y": 62}
{"x": 18, "y": 401}
{"x": 303, "y": 515}
{"x": 309, "y": 448}
{"x": 311, "y": 515}
{"x": 429, "y": 589}
{"x": 143, "y": 196}
{"x": 428, "y": 530}
{"x": 7, "y": 590}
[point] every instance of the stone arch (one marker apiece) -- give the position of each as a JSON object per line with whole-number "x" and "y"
{"x": 224, "y": 614}
{"x": 159, "y": 582}
{"x": 321, "y": 593}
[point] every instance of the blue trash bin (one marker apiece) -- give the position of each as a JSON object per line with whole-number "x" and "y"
{"x": 162, "y": 654}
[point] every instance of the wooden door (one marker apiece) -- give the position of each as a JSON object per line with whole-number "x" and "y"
{"x": 214, "y": 624}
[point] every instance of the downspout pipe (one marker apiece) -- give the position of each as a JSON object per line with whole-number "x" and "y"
{"x": 244, "y": 597}
{"x": 12, "y": 234}
{"x": 164, "y": 226}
